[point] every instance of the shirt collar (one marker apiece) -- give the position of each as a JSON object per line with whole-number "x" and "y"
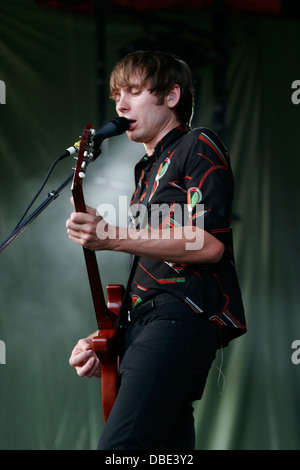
{"x": 166, "y": 141}
{"x": 162, "y": 145}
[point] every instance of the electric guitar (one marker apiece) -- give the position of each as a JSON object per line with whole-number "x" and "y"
{"x": 105, "y": 344}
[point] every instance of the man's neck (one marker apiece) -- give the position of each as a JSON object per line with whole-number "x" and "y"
{"x": 150, "y": 146}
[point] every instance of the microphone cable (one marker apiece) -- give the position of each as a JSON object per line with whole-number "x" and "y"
{"x": 38, "y": 193}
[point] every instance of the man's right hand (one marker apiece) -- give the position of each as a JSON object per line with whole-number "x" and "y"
{"x": 85, "y": 360}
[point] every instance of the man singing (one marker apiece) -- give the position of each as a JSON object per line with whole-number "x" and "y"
{"x": 183, "y": 297}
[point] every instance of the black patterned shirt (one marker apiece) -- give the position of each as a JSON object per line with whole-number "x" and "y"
{"x": 193, "y": 185}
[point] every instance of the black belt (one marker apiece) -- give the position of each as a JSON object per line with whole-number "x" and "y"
{"x": 140, "y": 310}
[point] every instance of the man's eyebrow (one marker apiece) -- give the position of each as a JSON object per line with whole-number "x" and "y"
{"x": 134, "y": 85}
{"x": 128, "y": 87}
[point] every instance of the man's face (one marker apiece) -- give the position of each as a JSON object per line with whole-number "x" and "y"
{"x": 150, "y": 121}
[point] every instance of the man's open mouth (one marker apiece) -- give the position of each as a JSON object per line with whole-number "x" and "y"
{"x": 132, "y": 123}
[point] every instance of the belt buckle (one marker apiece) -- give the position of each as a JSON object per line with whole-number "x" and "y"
{"x": 128, "y": 316}
{"x": 148, "y": 305}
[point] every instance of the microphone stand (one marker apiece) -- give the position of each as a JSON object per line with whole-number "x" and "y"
{"x": 51, "y": 196}
{"x": 115, "y": 127}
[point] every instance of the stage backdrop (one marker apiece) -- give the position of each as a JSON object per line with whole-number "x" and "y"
{"x": 48, "y": 64}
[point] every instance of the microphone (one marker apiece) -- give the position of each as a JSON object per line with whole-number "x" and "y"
{"x": 117, "y": 126}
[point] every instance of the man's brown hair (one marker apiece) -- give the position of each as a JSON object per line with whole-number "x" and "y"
{"x": 159, "y": 71}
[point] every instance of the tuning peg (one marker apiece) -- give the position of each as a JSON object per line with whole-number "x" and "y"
{"x": 81, "y": 174}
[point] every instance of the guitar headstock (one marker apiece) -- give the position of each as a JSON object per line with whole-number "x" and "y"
{"x": 84, "y": 155}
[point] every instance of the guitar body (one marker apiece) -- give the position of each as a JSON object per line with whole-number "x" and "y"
{"x": 105, "y": 344}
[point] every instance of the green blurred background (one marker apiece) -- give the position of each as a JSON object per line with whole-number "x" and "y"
{"x": 53, "y": 62}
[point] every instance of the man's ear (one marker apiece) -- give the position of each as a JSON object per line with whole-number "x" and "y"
{"x": 173, "y": 96}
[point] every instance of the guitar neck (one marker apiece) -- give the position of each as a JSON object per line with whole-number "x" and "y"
{"x": 103, "y": 314}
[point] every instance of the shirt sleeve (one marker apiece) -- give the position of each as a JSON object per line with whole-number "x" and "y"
{"x": 209, "y": 184}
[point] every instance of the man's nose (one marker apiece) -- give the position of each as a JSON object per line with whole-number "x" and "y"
{"x": 123, "y": 104}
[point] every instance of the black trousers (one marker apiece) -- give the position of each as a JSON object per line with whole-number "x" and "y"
{"x": 168, "y": 354}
